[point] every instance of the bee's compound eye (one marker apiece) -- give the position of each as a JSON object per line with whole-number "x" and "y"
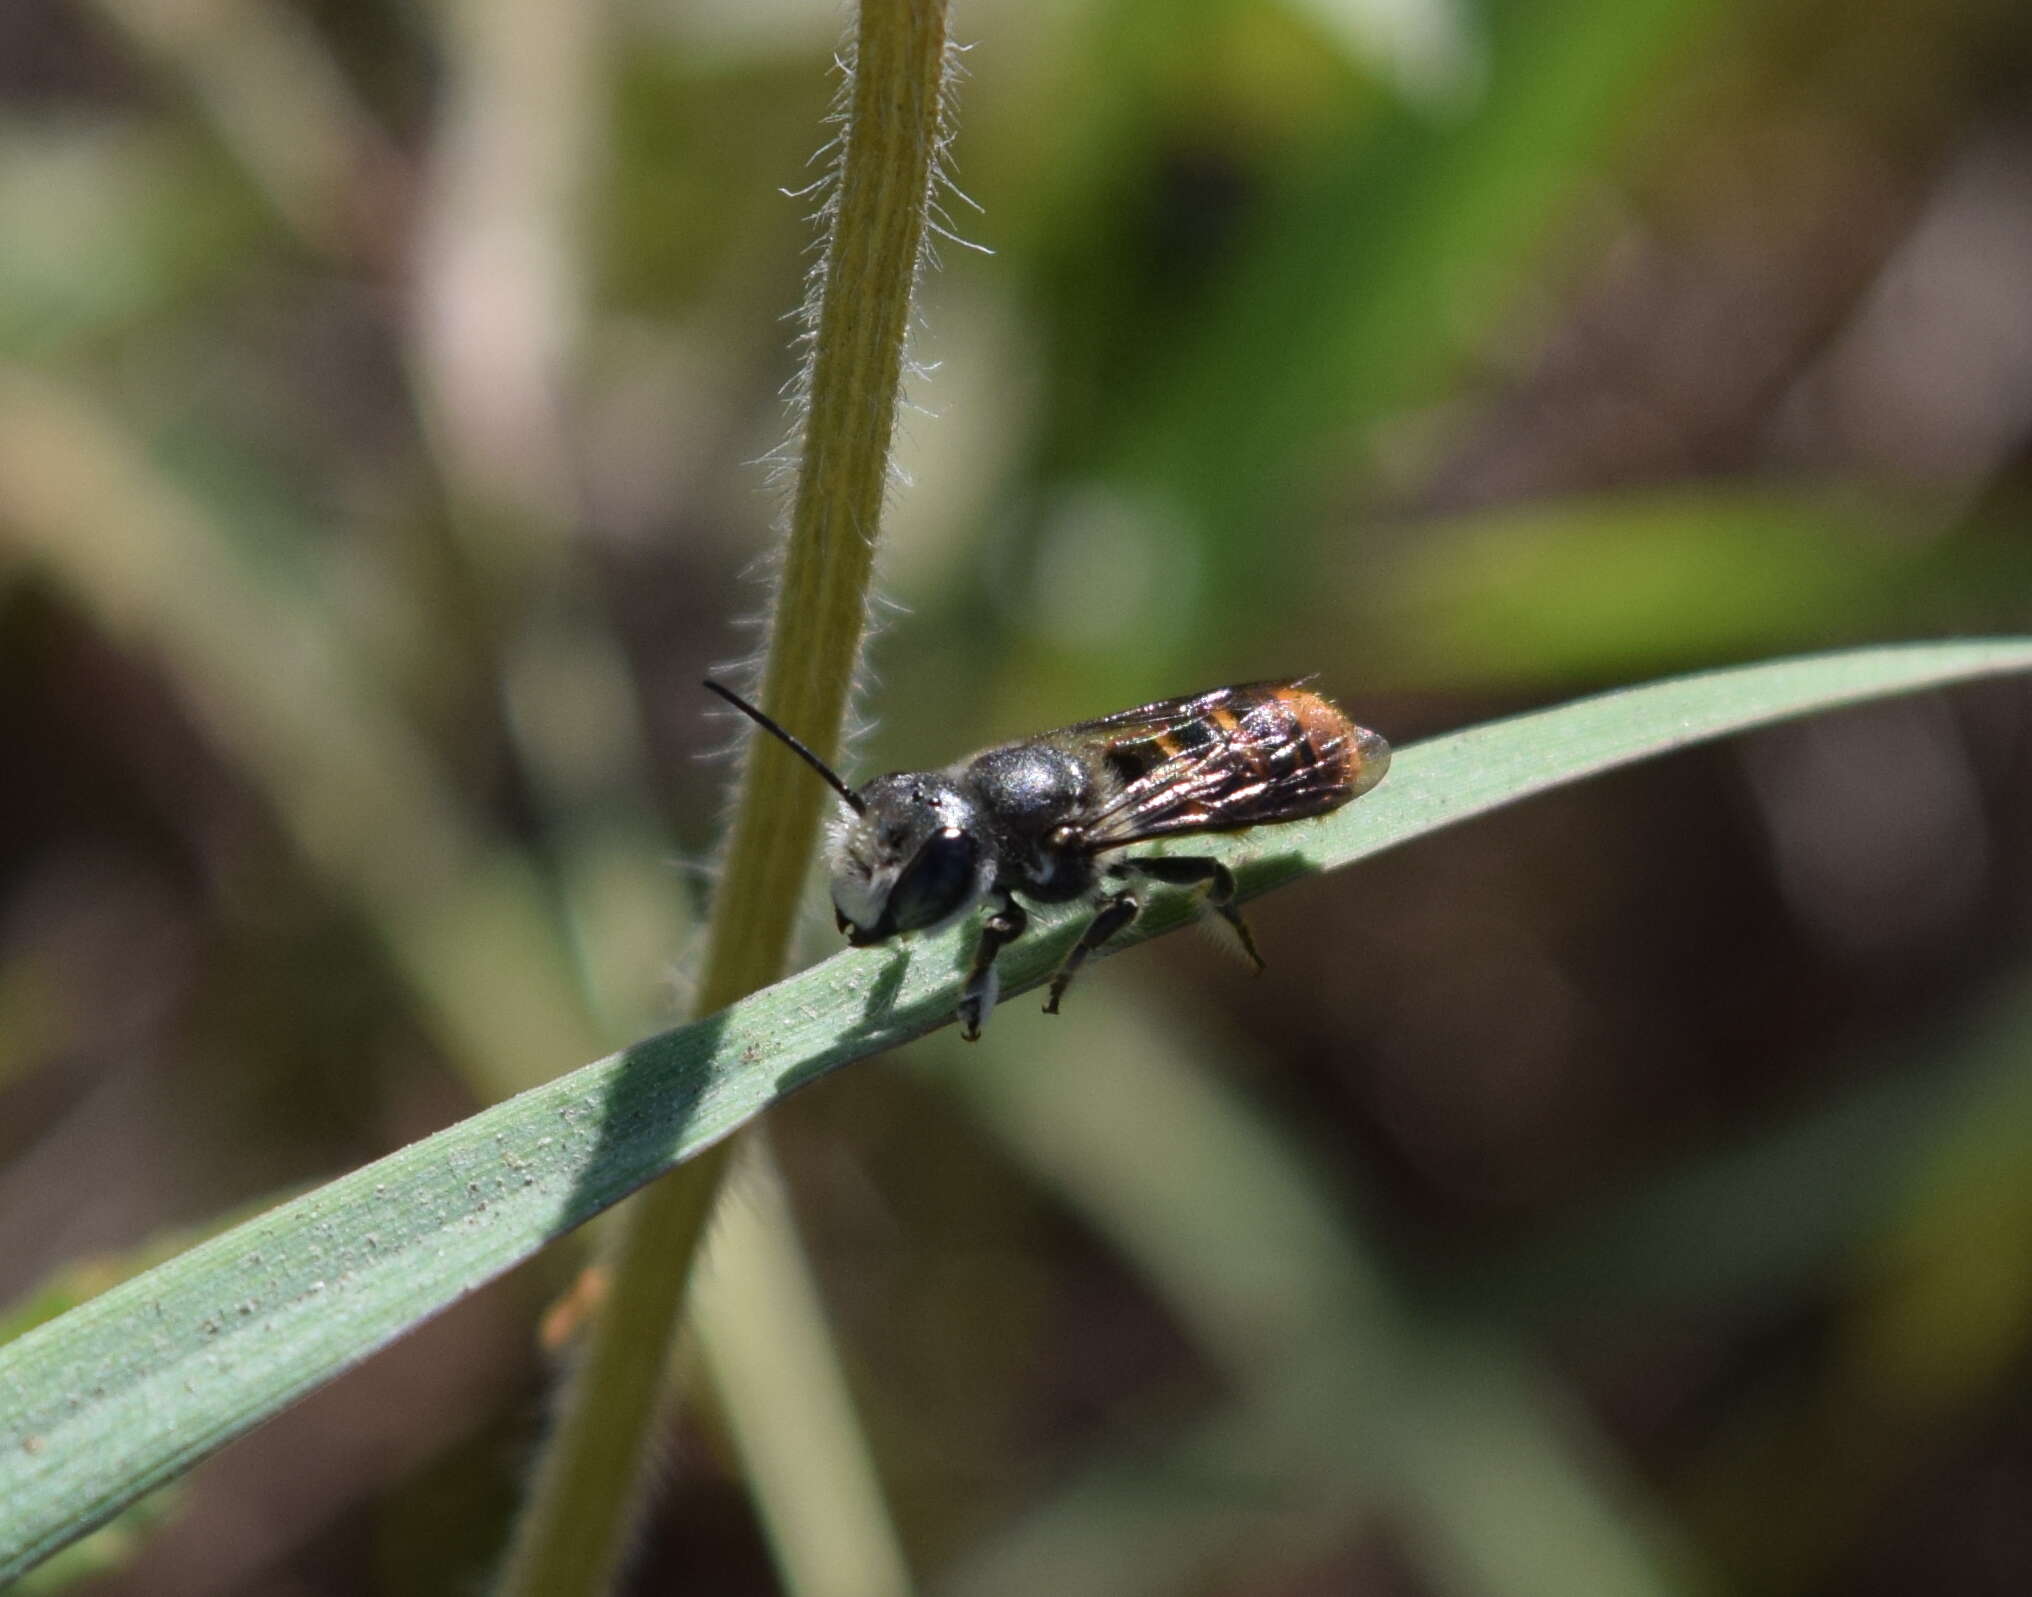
{"x": 938, "y": 882}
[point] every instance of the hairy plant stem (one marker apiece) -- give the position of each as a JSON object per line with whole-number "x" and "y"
{"x": 589, "y": 1482}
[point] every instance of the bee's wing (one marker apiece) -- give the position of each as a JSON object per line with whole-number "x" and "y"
{"x": 1149, "y": 721}
{"x": 1216, "y": 761}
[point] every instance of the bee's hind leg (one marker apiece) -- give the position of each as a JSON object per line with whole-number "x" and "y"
{"x": 1190, "y": 871}
{"x": 1117, "y": 910}
{"x": 1003, "y": 927}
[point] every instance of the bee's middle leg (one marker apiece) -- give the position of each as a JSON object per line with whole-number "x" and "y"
{"x": 1190, "y": 871}
{"x": 1000, "y": 929}
{"x": 1117, "y": 910}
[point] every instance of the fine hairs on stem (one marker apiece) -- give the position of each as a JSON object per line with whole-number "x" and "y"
{"x": 878, "y": 195}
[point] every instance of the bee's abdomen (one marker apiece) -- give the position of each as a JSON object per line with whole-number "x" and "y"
{"x": 1299, "y": 744}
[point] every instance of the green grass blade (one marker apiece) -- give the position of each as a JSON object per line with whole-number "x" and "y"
{"x": 125, "y": 1391}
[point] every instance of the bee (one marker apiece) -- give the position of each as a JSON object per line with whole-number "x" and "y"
{"x": 1046, "y": 817}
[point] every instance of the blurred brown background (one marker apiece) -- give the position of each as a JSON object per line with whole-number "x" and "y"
{"x": 1639, "y": 1180}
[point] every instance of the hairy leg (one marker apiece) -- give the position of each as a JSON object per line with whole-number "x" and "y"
{"x": 1190, "y": 871}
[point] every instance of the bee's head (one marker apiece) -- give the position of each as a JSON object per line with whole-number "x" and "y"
{"x": 911, "y": 857}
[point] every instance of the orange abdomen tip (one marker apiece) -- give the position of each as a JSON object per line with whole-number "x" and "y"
{"x": 1360, "y": 757}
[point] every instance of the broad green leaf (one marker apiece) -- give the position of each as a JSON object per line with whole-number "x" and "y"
{"x": 122, "y": 1393}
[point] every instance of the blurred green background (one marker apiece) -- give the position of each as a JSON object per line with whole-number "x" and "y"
{"x": 1632, "y": 1193}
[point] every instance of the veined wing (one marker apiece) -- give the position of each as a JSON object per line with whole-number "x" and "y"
{"x": 1224, "y": 760}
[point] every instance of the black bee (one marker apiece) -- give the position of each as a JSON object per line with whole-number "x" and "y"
{"x": 1035, "y": 817}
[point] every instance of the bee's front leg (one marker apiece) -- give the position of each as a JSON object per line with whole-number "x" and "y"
{"x": 1190, "y": 871}
{"x": 1000, "y": 929}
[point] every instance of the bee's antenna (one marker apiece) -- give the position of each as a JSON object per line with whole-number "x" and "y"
{"x": 853, "y": 800}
